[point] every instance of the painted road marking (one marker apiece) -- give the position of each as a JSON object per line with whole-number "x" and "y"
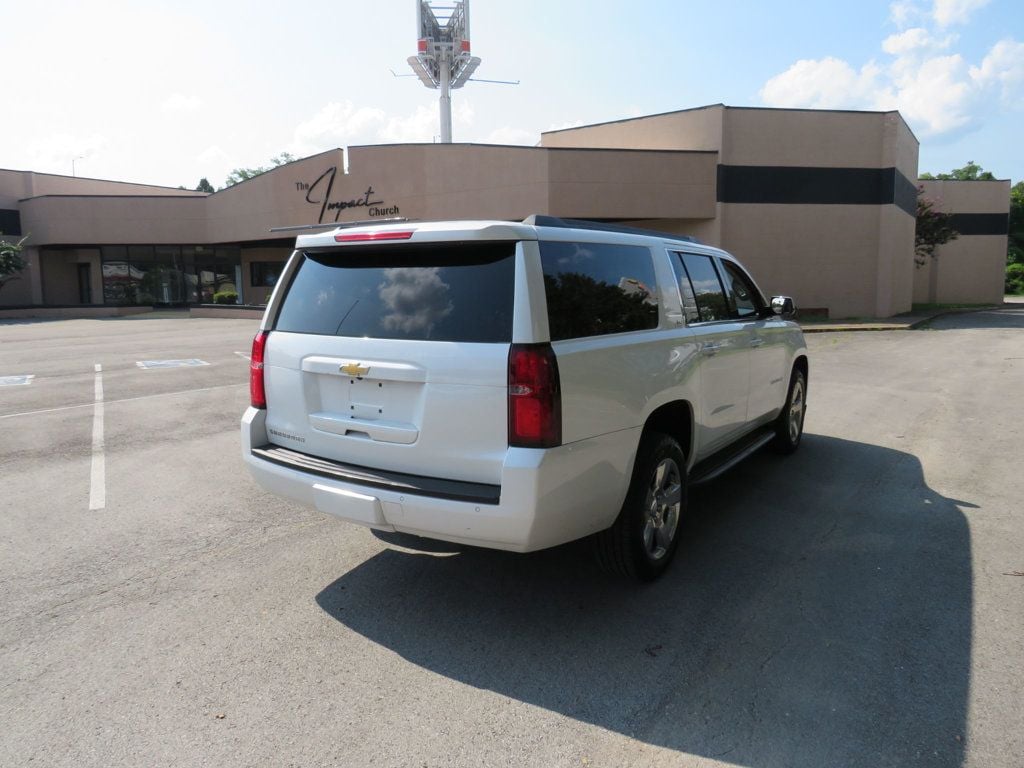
{"x": 242, "y": 354}
{"x": 98, "y": 474}
{"x": 190, "y": 363}
{"x": 19, "y": 381}
{"x": 123, "y": 400}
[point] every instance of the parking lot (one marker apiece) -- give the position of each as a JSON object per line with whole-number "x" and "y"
{"x": 858, "y": 604}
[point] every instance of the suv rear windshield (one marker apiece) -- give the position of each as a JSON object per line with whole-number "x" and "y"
{"x": 437, "y": 292}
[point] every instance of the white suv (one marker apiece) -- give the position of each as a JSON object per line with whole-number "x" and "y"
{"x": 518, "y": 386}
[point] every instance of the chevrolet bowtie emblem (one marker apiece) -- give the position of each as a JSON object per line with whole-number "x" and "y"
{"x": 354, "y": 369}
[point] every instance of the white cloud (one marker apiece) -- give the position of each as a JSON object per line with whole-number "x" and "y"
{"x": 216, "y": 164}
{"x": 179, "y": 103}
{"x": 915, "y": 40}
{"x": 949, "y": 12}
{"x": 509, "y": 135}
{"x": 424, "y": 125}
{"x": 936, "y": 94}
{"x": 937, "y": 91}
{"x": 564, "y": 126}
{"x": 214, "y": 154}
{"x": 336, "y": 125}
{"x": 344, "y": 124}
{"x": 60, "y": 152}
{"x": 828, "y": 83}
{"x": 904, "y": 12}
{"x": 1003, "y": 67}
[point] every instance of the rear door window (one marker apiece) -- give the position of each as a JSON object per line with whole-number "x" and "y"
{"x": 706, "y": 287}
{"x": 449, "y": 292}
{"x": 596, "y": 289}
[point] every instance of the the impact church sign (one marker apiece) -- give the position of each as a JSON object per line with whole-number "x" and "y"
{"x": 321, "y": 193}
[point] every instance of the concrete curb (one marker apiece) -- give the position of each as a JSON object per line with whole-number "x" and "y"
{"x": 227, "y": 311}
{"x": 72, "y": 313}
{"x": 910, "y": 324}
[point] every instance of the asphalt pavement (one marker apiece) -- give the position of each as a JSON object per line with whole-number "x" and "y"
{"x": 860, "y": 603}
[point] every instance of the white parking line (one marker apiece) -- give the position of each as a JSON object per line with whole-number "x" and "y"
{"x": 190, "y": 363}
{"x": 123, "y": 400}
{"x": 242, "y": 354}
{"x": 22, "y": 380}
{"x": 98, "y": 474}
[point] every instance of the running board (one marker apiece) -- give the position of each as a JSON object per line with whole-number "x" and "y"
{"x": 729, "y": 457}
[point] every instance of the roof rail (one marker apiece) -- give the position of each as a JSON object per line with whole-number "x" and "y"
{"x": 540, "y": 220}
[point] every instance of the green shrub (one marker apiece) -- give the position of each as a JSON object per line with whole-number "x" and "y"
{"x": 225, "y": 297}
{"x": 1015, "y": 278}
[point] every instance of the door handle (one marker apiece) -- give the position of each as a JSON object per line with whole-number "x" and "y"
{"x": 756, "y": 342}
{"x": 710, "y": 348}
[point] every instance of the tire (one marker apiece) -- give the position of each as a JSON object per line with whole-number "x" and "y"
{"x": 643, "y": 540}
{"x": 789, "y": 426}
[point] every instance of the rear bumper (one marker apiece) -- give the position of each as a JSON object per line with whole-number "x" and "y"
{"x": 547, "y": 497}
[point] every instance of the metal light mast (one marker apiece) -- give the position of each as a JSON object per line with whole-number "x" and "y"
{"x": 444, "y": 61}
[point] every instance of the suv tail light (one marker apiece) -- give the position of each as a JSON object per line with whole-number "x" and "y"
{"x": 257, "y": 393}
{"x": 534, "y": 397}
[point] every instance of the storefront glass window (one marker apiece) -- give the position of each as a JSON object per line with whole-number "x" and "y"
{"x": 116, "y": 283}
{"x": 140, "y": 253}
{"x": 263, "y": 274}
{"x": 169, "y": 274}
{"x": 166, "y": 281}
{"x": 214, "y": 279}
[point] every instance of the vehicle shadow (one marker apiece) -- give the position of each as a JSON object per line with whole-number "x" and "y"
{"x": 1009, "y": 316}
{"x": 818, "y": 615}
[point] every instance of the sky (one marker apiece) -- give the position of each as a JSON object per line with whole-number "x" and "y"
{"x": 169, "y": 92}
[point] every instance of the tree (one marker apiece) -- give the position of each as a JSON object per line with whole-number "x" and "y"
{"x": 241, "y": 174}
{"x": 11, "y": 262}
{"x": 205, "y": 186}
{"x": 1015, "y": 254}
{"x": 970, "y": 172}
{"x": 1015, "y": 241}
{"x": 934, "y": 228}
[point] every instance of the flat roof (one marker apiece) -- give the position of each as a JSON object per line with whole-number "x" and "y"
{"x": 727, "y": 107}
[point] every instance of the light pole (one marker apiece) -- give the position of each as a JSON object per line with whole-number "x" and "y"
{"x": 444, "y": 61}
{"x": 73, "y": 160}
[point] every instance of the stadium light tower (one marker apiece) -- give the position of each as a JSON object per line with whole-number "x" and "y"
{"x": 443, "y": 61}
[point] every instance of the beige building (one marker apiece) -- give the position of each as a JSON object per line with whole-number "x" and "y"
{"x": 819, "y": 204}
{"x": 970, "y": 269}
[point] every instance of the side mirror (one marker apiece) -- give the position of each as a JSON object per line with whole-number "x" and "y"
{"x": 783, "y": 306}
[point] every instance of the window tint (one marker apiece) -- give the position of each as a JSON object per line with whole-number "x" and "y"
{"x": 594, "y": 289}
{"x": 686, "y": 295}
{"x": 742, "y": 294}
{"x": 434, "y": 293}
{"x": 707, "y": 288}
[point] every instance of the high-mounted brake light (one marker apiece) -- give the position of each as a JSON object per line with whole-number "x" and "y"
{"x": 534, "y": 397}
{"x": 257, "y": 392}
{"x": 361, "y": 237}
